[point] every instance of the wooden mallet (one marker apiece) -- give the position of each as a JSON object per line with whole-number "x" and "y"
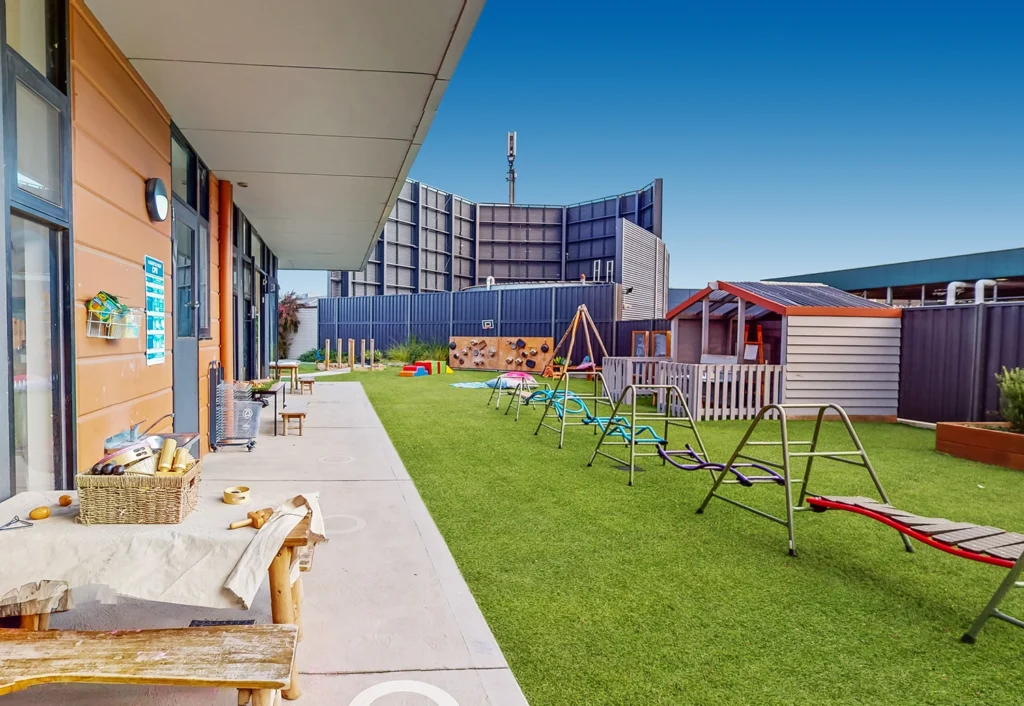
{"x": 256, "y": 519}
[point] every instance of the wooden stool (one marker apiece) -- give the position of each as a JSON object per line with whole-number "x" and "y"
{"x": 304, "y": 384}
{"x": 287, "y": 415}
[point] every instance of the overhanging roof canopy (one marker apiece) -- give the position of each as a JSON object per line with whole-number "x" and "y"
{"x": 319, "y": 105}
{"x": 786, "y": 299}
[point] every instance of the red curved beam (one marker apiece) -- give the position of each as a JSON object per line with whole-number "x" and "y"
{"x": 925, "y": 539}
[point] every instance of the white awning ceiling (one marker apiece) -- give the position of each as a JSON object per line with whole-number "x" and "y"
{"x": 319, "y": 105}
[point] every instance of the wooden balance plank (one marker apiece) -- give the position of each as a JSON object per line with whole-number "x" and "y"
{"x": 964, "y": 535}
{"x": 1000, "y": 540}
{"x": 1012, "y": 552}
{"x": 235, "y": 657}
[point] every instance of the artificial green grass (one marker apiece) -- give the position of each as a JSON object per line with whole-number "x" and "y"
{"x": 600, "y": 593}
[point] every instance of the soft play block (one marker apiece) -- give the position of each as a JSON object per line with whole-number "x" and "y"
{"x": 420, "y": 372}
{"x": 406, "y": 374}
{"x": 427, "y": 365}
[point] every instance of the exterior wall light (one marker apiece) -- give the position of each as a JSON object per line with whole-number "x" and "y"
{"x": 156, "y": 199}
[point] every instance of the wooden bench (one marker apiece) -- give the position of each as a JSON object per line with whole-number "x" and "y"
{"x": 296, "y": 411}
{"x": 254, "y": 659}
{"x": 306, "y": 381}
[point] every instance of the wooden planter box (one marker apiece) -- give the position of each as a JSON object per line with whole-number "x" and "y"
{"x": 979, "y": 441}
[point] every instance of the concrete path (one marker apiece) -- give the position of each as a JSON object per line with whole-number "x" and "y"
{"x": 385, "y": 606}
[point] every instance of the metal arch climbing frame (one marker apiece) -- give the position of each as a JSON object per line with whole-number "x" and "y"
{"x": 859, "y": 457}
{"x": 523, "y": 395}
{"x": 623, "y": 429}
{"x": 599, "y": 395}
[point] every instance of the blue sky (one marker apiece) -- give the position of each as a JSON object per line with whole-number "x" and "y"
{"x": 792, "y": 136}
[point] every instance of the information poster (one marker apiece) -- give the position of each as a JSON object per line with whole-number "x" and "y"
{"x": 155, "y": 340}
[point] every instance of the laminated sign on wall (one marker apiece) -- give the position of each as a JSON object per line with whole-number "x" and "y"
{"x": 155, "y": 342}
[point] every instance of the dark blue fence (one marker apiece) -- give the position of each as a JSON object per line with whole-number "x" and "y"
{"x": 435, "y": 317}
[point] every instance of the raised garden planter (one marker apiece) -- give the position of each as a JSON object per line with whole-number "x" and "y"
{"x": 987, "y": 442}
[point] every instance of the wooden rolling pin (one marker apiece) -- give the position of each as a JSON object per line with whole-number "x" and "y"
{"x": 167, "y": 455}
{"x": 257, "y": 518}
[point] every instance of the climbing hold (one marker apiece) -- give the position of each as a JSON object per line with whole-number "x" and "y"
{"x": 531, "y": 364}
{"x": 452, "y": 345}
{"x": 544, "y": 348}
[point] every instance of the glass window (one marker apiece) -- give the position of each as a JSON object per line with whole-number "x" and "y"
{"x": 184, "y": 311}
{"x": 182, "y": 177}
{"x": 32, "y": 326}
{"x": 204, "y": 192}
{"x": 38, "y": 130}
{"x": 27, "y": 30}
{"x": 203, "y": 274}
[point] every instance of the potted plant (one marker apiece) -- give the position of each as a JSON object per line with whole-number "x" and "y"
{"x": 996, "y": 443}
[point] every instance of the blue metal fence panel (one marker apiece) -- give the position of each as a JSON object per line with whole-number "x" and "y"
{"x": 327, "y": 310}
{"x": 353, "y": 309}
{"x": 387, "y": 335}
{"x": 357, "y": 331}
{"x": 392, "y": 309}
{"x": 526, "y": 312}
{"x": 326, "y": 332}
{"x": 470, "y": 309}
{"x": 431, "y": 308}
{"x": 600, "y": 301}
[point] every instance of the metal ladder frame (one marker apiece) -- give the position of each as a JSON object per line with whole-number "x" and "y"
{"x": 992, "y": 608}
{"x": 788, "y": 454}
{"x": 634, "y": 391}
{"x": 598, "y": 397}
{"x": 518, "y": 399}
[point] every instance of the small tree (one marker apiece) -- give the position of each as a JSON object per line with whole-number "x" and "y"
{"x": 1011, "y": 397}
{"x": 287, "y": 322}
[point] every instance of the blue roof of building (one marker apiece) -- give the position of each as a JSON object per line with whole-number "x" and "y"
{"x": 993, "y": 265}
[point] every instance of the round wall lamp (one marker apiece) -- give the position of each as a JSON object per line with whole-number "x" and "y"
{"x": 156, "y": 199}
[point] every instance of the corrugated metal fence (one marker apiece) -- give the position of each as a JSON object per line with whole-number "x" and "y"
{"x": 435, "y": 317}
{"x": 949, "y": 358}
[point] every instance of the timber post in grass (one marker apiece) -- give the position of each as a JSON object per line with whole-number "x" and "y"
{"x": 362, "y": 353}
{"x": 338, "y": 352}
{"x": 327, "y": 354}
{"x": 373, "y": 358}
{"x": 351, "y": 354}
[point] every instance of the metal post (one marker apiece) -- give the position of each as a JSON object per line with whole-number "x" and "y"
{"x": 978, "y": 379}
{"x": 888, "y": 296}
{"x": 741, "y": 338}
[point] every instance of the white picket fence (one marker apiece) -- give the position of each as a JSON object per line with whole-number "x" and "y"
{"x": 711, "y": 391}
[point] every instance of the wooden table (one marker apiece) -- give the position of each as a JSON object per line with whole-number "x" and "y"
{"x": 273, "y": 390}
{"x": 292, "y": 366}
{"x": 285, "y": 597}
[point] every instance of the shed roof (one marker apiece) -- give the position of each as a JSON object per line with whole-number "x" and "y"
{"x": 789, "y": 299}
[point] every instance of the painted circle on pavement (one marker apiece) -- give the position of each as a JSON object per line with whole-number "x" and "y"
{"x": 360, "y": 523}
{"x": 404, "y": 686}
{"x": 336, "y": 459}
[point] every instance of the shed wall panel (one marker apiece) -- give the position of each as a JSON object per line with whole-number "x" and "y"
{"x": 843, "y": 360}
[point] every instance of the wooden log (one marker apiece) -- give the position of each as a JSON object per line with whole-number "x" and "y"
{"x": 297, "y": 605}
{"x": 264, "y": 697}
{"x": 282, "y": 608}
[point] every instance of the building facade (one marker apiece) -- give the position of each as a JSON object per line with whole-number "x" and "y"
{"x": 159, "y": 169}
{"x": 435, "y": 241}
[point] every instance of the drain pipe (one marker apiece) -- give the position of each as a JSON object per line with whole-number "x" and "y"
{"x": 951, "y": 292}
{"x": 979, "y": 289}
{"x": 490, "y": 282}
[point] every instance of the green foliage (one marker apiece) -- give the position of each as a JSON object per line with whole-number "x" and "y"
{"x": 1011, "y": 397}
{"x": 315, "y": 355}
{"x": 601, "y": 594}
{"x": 414, "y": 349}
{"x": 558, "y": 360}
{"x": 287, "y": 322}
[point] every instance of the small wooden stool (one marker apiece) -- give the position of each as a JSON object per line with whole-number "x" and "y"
{"x": 287, "y": 415}
{"x": 306, "y": 383}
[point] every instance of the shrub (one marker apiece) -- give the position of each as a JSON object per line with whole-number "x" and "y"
{"x": 1011, "y": 397}
{"x": 314, "y": 355}
{"x": 287, "y": 322}
{"x": 414, "y": 349}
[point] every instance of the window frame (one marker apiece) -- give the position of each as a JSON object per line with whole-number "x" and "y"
{"x": 54, "y": 89}
{"x": 198, "y": 187}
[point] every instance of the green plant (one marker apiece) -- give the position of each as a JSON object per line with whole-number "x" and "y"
{"x": 559, "y": 360}
{"x": 314, "y": 355}
{"x": 1011, "y": 397}
{"x": 287, "y": 321}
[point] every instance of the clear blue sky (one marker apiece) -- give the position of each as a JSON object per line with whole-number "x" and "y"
{"x": 792, "y": 136}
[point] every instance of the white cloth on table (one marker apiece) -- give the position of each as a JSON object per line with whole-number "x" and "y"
{"x": 188, "y": 563}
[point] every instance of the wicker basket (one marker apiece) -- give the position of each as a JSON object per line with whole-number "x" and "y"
{"x": 138, "y": 499}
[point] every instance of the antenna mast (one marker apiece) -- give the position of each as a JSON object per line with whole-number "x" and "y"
{"x": 510, "y": 177}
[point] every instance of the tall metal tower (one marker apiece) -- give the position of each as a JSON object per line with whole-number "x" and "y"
{"x": 510, "y": 177}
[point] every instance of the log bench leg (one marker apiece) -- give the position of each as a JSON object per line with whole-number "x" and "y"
{"x": 244, "y": 697}
{"x": 265, "y": 697}
{"x": 297, "y": 605}
{"x": 35, "y": 623}
{"x": 282, "y": 609}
